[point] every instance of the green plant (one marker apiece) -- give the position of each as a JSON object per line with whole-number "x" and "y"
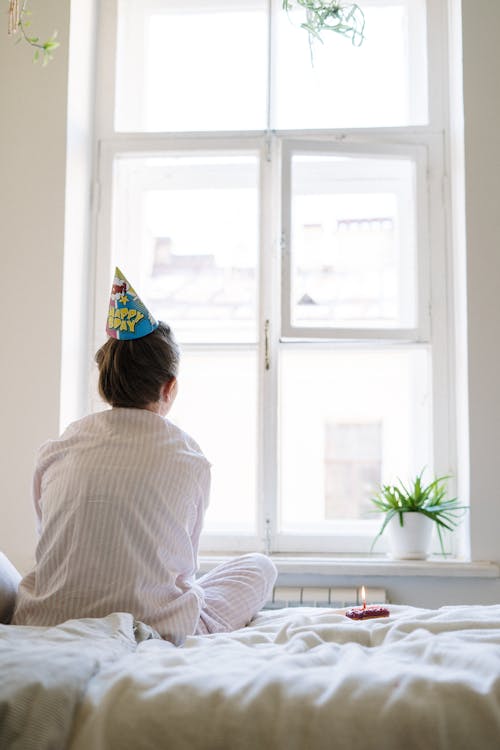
{"x": 19, "y": 22}
{"x": 428, "y": 499}
{"x": 330, "y": 15}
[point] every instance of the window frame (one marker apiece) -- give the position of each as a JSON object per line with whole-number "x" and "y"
{"x": 348, "y": 146}
{"x": 426, "y": 144}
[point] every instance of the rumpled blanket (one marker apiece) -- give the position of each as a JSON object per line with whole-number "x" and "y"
{"x": 44, "y": 672}
{"x": 307, "y": 679}
{"x": 294, "y": 679}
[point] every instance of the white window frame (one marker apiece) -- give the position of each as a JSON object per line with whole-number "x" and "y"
{"x": 426, "y": 145}
{"x": 357, "y": 148}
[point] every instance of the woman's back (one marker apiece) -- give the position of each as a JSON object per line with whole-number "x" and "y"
{"x": 121, "y": 497}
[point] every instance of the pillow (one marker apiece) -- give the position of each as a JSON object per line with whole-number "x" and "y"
{"x": 9, "y": 583}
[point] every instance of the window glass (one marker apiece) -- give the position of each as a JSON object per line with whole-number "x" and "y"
{"x": 382, "y": 82}
{"x": 353, "y": 243}
{"x": 188, "y": 227}
{"x": 217, "y": 404}
{"x": 191, "y": 65}
{"x": 349, "y": 418}
{"x": 353, "y": 468}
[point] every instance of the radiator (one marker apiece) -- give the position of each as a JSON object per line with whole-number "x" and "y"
{"x": 311, "y": 596}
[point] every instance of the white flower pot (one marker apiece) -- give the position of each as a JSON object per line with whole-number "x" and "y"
{"x": 412, "y": 541}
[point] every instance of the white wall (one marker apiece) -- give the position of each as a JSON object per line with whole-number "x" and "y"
{"x": 481, "y": 85}
{"x": 32, "y": 185}
{"x": 78, "y": 265}
{"x": 34, "y": 140}
{"x": 33, "y": 206}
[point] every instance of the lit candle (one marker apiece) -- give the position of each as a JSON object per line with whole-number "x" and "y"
{"x": 364, "y": 612}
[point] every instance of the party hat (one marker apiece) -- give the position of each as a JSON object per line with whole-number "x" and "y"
{"x": 128, "y": 316}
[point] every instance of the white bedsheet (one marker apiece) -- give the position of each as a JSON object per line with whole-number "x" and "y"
{"x": 307, "y": 679}
{"x": 44, "y": 673}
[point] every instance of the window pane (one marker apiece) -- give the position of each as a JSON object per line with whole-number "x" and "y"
{"x": 191, "y": 65}
{"x": 186, "y": 228}
{"x": 383, "y": 82}
{"x": 217, "y": 406}
{"x": 349, "y": 419}
{"x": 353, "y": 467}
{"x": 353, "y": 242}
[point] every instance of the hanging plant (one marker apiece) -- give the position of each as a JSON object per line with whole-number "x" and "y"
{"x": 330, "y": 15}
{"x": 19, "y": 23}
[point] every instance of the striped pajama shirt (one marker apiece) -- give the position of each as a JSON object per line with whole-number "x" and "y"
{"x": 120, "y": 499}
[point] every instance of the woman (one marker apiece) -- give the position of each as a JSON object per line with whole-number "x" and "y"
{"x": 120, "y": 499}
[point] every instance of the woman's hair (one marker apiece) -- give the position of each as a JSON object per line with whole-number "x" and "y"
{"x": 133, "y": 371}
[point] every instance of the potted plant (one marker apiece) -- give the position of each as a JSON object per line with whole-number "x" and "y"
{"x": 412, "y": 512}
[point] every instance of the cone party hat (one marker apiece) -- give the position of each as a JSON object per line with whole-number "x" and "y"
{"x": 128, "y": 316}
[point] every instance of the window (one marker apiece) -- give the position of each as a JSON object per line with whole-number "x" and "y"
{"x": 353, "y": 461}
{"x": 286, "y": 218}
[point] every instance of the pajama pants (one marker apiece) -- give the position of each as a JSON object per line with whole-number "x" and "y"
{"x": 234, "y": 592}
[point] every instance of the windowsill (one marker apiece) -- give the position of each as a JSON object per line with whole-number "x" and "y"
{"x": 378, "y": 567}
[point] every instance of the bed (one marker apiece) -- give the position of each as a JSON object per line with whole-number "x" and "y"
{"x": 295, "y": 678}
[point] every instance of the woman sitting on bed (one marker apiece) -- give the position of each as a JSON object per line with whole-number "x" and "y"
{"x": 120, "y": 499}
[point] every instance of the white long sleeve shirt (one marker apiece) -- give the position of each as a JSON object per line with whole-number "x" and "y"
{"x": 120, "y": 498}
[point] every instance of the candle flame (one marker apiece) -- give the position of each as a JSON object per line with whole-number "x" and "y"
{"x": 363, "y": 596}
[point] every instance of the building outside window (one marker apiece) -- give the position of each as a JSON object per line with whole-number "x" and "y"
{"x": 286, "y": 217}
{"x": 353, "y": 468}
